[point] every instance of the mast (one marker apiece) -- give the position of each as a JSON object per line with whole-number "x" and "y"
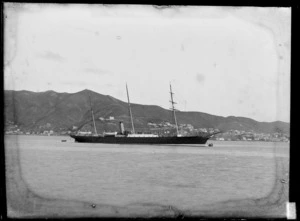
{"x": 93, "y": 115}
{"x": 130, "y": 109}
{"x": 173, "y": 108}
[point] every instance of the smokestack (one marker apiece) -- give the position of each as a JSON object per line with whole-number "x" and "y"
{"x": 122, "y": 127}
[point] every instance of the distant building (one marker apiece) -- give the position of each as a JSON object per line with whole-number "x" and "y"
{"x": 111, "y": 118}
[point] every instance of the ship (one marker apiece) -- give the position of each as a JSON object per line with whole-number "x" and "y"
{"x": 126, "y": 137}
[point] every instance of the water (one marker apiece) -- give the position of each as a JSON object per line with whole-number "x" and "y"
{"x": 187, "y": 177}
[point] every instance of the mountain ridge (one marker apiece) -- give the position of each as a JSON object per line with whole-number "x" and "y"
{"x": 62, "y": 111}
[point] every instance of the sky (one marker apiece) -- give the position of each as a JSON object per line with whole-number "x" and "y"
{"x": 225, "y": 61}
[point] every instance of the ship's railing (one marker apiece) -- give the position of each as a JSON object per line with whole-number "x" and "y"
{"x": 142, "y": 135}
{"x": 109, "y": 134}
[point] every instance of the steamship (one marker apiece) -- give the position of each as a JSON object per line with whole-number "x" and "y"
{"x": 125, "y": 137}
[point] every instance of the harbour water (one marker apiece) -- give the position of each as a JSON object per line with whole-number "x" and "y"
{"x": 186, "y": 177}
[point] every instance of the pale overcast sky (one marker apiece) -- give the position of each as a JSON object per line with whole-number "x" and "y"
{"x": 227, "y": 61}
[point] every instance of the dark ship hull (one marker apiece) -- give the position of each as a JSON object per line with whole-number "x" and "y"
{"x": 141, "y": 140}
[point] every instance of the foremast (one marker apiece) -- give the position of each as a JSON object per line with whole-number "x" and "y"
{"x": 130, "y": 110}
{"x": 173, "y": 109}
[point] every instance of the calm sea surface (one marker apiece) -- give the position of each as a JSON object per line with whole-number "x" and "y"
{"x": 185, "y": 176}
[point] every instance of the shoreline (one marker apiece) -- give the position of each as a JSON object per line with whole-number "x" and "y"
{"x": 61, "y": 135}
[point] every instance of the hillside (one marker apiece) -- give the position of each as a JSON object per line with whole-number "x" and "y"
{"x": 37, "y": 111}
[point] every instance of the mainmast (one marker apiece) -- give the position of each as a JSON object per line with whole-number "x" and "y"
{"x": 173, "y": 108}
{"x": 93, "y": 115}
{"x": 130, "y": 110}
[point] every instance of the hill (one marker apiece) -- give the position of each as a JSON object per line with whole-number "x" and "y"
{"x": 38, "y": 111}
